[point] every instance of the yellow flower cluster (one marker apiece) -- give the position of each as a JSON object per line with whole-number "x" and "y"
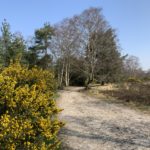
{"x": 28, "y": 113}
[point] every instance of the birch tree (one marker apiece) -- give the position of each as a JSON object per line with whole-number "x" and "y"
{"x": 65, "y": 44}
{"x": 91, "y": 21}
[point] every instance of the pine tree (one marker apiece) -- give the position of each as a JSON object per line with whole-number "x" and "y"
{"x": 39, "y": 53}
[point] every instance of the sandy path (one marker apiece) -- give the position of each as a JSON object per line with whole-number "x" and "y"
{"x": 94, "y": 124}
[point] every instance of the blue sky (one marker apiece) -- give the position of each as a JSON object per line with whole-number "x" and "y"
{"x": 131, "y": 19}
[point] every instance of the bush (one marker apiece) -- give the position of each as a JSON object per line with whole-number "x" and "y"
{"x": 28, "y": 114}
{"x": 133, "y": 80}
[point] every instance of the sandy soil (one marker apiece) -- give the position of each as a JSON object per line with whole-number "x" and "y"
{"x": 96, "y": 124}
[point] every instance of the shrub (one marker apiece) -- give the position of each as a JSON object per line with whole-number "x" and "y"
{"x": 28, "y": 114}
{"x": 133, "y": 80}
{"x": 135, "y": 91}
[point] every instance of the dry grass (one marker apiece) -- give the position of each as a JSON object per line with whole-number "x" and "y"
{"x": 135, "y": 95}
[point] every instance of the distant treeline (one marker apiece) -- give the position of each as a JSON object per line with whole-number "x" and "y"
{"x": 79, "y": 50}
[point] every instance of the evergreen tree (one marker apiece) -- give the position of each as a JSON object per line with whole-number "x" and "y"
{"x": 109, "y": 61}
{"x": 12, "y": 46}
{"x": 39, "y": 53}
{"x": 5, "y": 42}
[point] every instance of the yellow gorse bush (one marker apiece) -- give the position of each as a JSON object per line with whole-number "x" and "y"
{"x": 28, "y": 113}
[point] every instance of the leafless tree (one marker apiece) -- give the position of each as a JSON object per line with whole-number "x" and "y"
{"x": 91, "y": 22}
{"x": 64, "y": 45}
{"x": 132, "y": 66}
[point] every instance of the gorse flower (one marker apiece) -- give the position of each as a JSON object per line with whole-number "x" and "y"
{"x": 28, "y": 113}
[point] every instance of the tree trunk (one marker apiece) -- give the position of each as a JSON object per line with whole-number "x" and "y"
{"x": 67, "y": 71}
{"x": 61, "y": 75}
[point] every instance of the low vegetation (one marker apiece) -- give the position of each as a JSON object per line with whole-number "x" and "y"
{"x": 133, "y": 93}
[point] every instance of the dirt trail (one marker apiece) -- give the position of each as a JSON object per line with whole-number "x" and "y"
{"x": 95, "y": 124}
